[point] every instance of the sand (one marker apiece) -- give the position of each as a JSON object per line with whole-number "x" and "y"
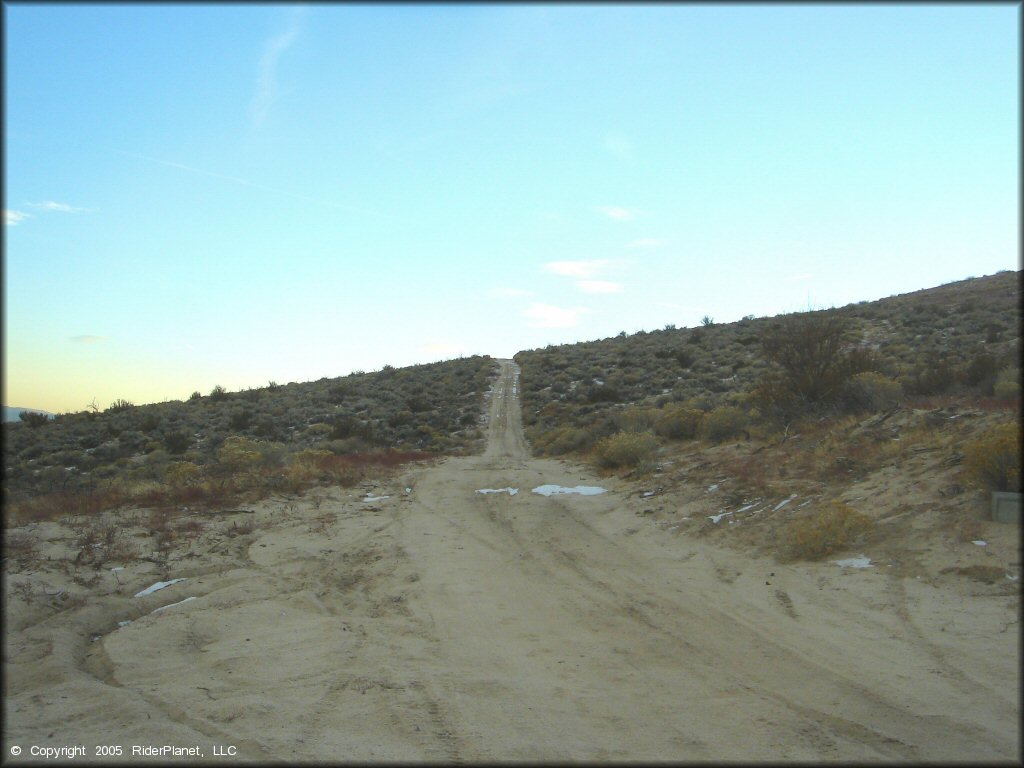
{"x": 417, "y": 619}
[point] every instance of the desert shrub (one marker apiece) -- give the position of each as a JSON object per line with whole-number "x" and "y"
{"x": 932, "y": 376}
{"x": 182, "y": 473}
{"x": 625, "y": 449}
{"x": 177, "y": 442}
{"x": 724, "y": 422}
{"x": 34, "y": 420}
{"x": 307, "y": 465}
{"x": 601, "y": 393}
{"x": 981, "y": 371}
{"x": 823, "y": 531}
{"x": 401, "y": 418}
{"x": 993, "y": 460}
{"x": 1007, "y": 385}
{"x": 556, "y": 442}
{"x": 684, "y": 357}
{"x": 119, "y": 406}
{"x": 149, "y": 422}
{"x": 871, "y": 391}
{"x": 635, "y": 419}
{"x": 678, "y": 422}
{"x": 240, "y": 419}
{"x": 813, "y": 356}
{"x": 239, "y": 454}
{"x": 218, "y": 393}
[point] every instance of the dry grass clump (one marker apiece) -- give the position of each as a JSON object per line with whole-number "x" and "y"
{"x": 723, "y": 423}
{"x": 677, "y": 422}
{"x": 625, "y": 450}
{"x": 993, "y": 461}
{"x": 872, "y": 391}
{"x": 823, "y": 531}
{"x": 21, "y": 548}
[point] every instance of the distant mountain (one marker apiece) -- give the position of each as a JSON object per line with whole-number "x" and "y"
{"x": 11, "y": 412}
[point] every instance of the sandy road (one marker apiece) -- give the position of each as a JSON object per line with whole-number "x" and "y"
{"x": 436, "y": 623}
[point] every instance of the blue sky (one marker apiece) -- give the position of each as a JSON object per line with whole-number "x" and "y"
{"x": 200, "y": 194}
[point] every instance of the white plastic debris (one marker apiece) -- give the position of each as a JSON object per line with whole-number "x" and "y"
{"x": 509, "y": 491}
{"x": 855, "y": 562}
{"x": 715, "y": 518}
{"x": 583, "y": 490}
{"x": 375, "y": 498}
{"x": 980, "y": 543}
{"x": 155, "y": 587}
{"x": 171, "y": 605}
{"x": 712, "y": 488}
{"x": 783, "y": 503}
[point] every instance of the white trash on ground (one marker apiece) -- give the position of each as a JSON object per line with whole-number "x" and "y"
{"x": 171, "y": 605}
{"x": 855, "y": 562}
{"x": 583, "y": 490}
{"x": 783, "y": 503}
{"x": 509, "y": 491}
{"x": 155, "y": 587}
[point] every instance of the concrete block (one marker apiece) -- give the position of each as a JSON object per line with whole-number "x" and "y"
{"x": 1006, "y": 507}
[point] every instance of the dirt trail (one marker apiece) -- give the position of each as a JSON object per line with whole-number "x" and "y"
{"x": 434, "y": 622}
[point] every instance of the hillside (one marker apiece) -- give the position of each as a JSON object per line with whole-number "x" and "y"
{"x": 952, "y": 341}
{"x": 13, "y": 412}
{"x": 269, "y": 438}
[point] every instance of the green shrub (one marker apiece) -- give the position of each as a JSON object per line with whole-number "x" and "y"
{"x": 679, "y": 422}
{"x": 821, "y": 532}
{"x": 813, "y": 356}
{"x": 239, "y": 454}
{"x": 933, "y": 376}
{"x": 981, "y": 371}
{"x": 993, "y": 461}
{"x": 556, "y": 442}
{"x": 182, "y": 473}
{"x": 625, "y": 449}
{"x": 635, "y": 419}
{"x": 871, "y": 391}
{"x": 724, "y": 422}
{"x": 33, "y": 419}
{"x": 177, "y": 442}
{"x": 1007, "y": 386}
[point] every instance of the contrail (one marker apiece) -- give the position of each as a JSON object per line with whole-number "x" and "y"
{"x": 254, "y": 185}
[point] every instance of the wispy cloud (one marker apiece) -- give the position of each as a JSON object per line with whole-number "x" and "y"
{"x": 254, "y": 185}
{"x": 617, "y": 212}
{"x": 647, "y": 242}
{"x": 13, "y": 218}
{"x": 585, "y": 273}
{"x": 86, "y": 339}
{"x": 50, "y": 205}
{"x": 580, "y": 269}
{"x": 266, "y": 79}
{"x": 548, "y": 316}
{"x": 619, "y": 145}
{"x": 599, "y": 286}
